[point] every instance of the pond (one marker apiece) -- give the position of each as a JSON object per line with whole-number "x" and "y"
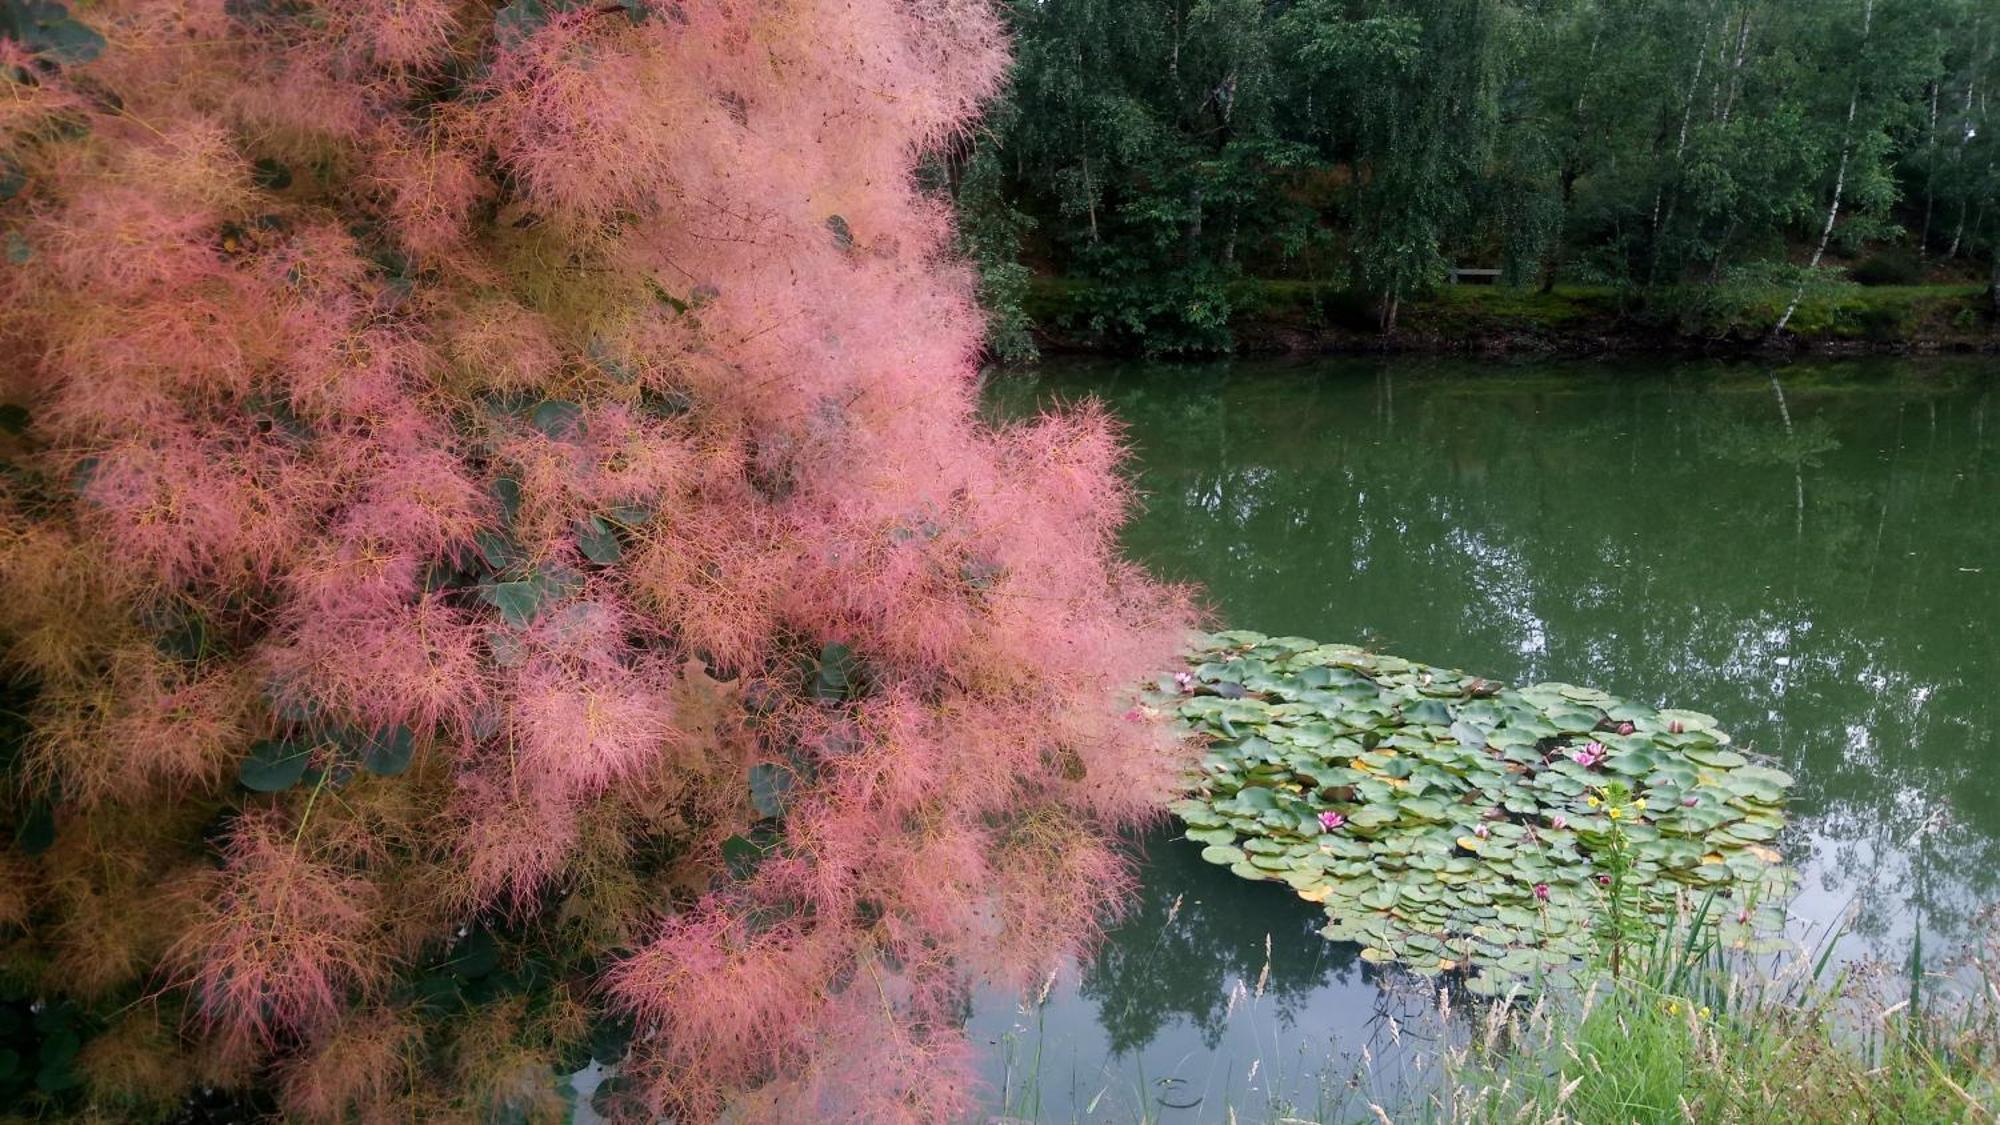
{"x": 1809, "y": 552}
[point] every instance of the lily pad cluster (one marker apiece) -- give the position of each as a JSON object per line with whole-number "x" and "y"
{"x": 1449, "y": 822}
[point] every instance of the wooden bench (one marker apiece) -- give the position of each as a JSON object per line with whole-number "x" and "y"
{"x": 1474, "y": 277}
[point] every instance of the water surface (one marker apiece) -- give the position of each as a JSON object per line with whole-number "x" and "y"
{"x": 1809, "y": 552}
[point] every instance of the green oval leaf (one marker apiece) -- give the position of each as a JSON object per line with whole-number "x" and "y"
{"x": 770, "y": 786}
{"x": 274, "y": 765}
{"x": 386, "y": 753}
{"x": 519, "y": 602}
{"x": 598, "y": 541}
{"x": 741, "y": 855}
{"x": 507, "y": 494}
{"x": 558, "y": 419}
{"x": 46, "y": 29}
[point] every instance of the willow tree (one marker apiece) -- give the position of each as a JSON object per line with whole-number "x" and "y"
{"x": 502, "y": 564}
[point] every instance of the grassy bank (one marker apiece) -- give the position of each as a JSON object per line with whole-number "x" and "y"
{"x": 1697, "y": 1042}
{"x": 1259, "y": 316}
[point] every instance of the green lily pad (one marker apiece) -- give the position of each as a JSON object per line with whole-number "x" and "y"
{"x": 1471, "y": 832}
{"x": 1430, "y": 711}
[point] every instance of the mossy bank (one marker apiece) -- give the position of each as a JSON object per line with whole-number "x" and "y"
{"x": 1249, "y": 316}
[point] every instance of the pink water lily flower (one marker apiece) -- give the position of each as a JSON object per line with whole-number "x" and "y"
{"x": 1330, "y": 820}
{"x": 1541, "y": 892}
{"x": 1592, "y": 754}
{"x": 1626, "y": 728}
{"x": 1559, "y": 821}
{"x": 1481, "y": 831}
{"x": 1184, "y": 681}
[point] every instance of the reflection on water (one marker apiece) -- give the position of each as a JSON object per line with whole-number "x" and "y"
{"x": 1811, "y": 554}
{"x": 1192, "y": 936}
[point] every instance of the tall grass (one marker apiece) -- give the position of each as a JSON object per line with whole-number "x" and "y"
{"x": 1688, "y": 1034}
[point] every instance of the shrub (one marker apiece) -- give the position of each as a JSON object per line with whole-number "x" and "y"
{"x": 1889, "y": 266}
{"x": 503, "y": 566}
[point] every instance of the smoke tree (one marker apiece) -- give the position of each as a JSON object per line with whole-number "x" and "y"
{"x": 501, "y": 561}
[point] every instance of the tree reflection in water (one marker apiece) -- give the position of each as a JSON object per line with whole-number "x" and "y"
{"x": 1192, "y": 936}
{"x": 1810, "y": 553}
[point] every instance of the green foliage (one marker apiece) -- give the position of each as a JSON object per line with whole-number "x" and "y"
{"x": 1419, "y": 84}
{"x": 39, "y": 1045}
{"x": 274, "y": 764}
{"x": 1140, "y": 313}
{"x": 1887, "y": 266}
{"x": 770, "y": 786}
{"x": 46, "y": 29}
{"x": 837, "y": 676}
{"x": 598, "y": 541}
{"x": 990, "y": 232}
{"x": 314, "y": 752}
{"x": 386, "y": 753}
{"x": 1450, "y": 822}
{"x": 1687, "y": 1036}
{"x": 1164, "y": 149}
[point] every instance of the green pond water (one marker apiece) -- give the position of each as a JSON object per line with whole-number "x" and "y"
{"x": 1809, "y": 552}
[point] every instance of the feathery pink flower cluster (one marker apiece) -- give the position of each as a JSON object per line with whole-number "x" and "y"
{"x": 587, "y": 394}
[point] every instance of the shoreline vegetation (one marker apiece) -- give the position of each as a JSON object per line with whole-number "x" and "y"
{"x": 1287, "y": 317}
{"x": 1689, "y": 1033}
{"x": 1686, "y": 1033}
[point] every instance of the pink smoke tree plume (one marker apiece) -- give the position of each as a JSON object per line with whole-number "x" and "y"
{"x": 502, "y": 564}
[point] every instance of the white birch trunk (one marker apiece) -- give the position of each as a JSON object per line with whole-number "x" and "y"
{"x": 1964, "y": 136}
{"x": 1736, "y": 66}
{"x": 1687, "y": 115}
{"x": 1839, "y": 175}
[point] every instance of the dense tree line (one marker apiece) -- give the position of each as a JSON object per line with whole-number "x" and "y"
{"x": 1160, "y": 148}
